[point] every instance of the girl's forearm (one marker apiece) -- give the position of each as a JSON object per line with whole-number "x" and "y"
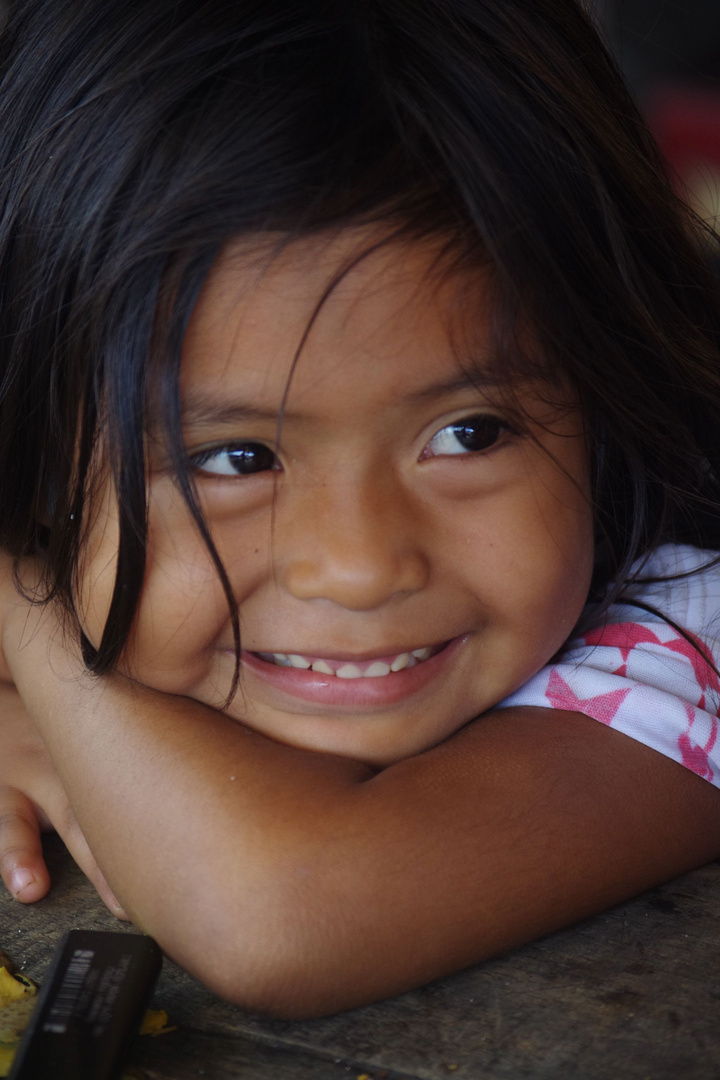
{"x": 302, "y": 883}
{"x": 206, "y": 829}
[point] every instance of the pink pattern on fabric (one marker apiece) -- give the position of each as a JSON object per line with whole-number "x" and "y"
{"x": 695, "y": 757}
{"x": 622, "y": 636}
{"x": 602, "y": 707}
{"x": 626, "y": 636}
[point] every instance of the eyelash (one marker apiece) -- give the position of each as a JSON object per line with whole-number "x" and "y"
{"x": 251, "y": 458}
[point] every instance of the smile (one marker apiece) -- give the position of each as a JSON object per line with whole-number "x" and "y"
{"x": 353, "y": 683}
{"x": 376, "y": 668}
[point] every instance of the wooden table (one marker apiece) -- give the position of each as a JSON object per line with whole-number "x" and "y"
{"x": 633, "y": 994}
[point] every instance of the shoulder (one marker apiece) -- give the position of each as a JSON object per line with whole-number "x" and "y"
{"x": 649, "y": 668}
{"x": 671, "y": 602}
{"x": 681, "y": 583}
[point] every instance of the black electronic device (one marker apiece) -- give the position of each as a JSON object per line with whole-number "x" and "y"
{"x": 90, "y": 1007}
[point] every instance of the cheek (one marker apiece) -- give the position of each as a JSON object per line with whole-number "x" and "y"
{"x": 184, "y": 617}
{"x": 542, "y": 572}
{"x": 181, "y": 612}
{"x": 552, "y": 592}
{"x": 531, "y": 569}
{"x": 182, "y": 605}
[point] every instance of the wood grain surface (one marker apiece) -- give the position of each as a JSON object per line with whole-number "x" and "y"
{"x": 633, "y": 994}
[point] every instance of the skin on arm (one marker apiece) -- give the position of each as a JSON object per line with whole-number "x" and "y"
{"x": 33, "y": 800}
{"x": 303, "y": 883}
{"x": 24, "y": 766}
{"x": 32, "y": 797}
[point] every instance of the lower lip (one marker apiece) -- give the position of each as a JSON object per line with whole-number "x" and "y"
{"x": 322, "y": 689}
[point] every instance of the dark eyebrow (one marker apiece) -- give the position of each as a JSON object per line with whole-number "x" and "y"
{"x": 464, "y": 380}
{"x": 204, "y": 411}
{"x": 199, "y": 410}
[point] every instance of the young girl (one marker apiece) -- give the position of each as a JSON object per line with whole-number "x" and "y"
{"x": 358, "y": 454}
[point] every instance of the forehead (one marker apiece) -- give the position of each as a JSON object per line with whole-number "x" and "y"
{"x": 349, "y": 308}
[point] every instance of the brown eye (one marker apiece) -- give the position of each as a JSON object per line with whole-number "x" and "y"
{"x": 467, "y": 436}
{"x": 239, "y": 459}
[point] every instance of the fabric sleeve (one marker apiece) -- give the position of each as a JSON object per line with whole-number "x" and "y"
{"x": 637, "y": 674}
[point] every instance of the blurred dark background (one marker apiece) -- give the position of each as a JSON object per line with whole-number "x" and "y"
{"x": 670, "y": 53}
{"x": 660, "y": 40}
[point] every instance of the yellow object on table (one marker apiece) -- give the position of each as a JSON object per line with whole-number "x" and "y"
{"x": 17, "y": 1000}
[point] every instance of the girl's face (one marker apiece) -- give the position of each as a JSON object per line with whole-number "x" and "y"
{"x": 403, "y": 557}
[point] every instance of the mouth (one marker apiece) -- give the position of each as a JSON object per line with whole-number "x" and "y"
{"x": 378, "y": 667}
{"x": 353, "y": 683}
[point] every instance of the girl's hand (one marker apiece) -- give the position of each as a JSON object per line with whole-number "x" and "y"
{"x": 32, "y": 800}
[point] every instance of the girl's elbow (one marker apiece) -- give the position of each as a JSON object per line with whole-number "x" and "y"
{"x": 286, "y": 984}
{"x": 287, "y": 992}
{"x": 286, "y": 958}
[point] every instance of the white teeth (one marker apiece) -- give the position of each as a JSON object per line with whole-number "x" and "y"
{"x": 298, "y": 661}
{"x": 349, "y": 671}
{"x": 377, "y": 669}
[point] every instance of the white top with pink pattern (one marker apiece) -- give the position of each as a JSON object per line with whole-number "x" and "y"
{"x": 637, "y": 674}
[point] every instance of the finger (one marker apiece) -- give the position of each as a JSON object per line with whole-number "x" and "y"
{"x": 22, "y": 866}
{"x": 74, "y": 840}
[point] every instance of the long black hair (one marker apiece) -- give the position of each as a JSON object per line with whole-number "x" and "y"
{"x": 138, "y": 137}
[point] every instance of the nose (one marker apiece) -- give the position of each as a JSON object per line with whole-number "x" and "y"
{"x": 357, "y": 546}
